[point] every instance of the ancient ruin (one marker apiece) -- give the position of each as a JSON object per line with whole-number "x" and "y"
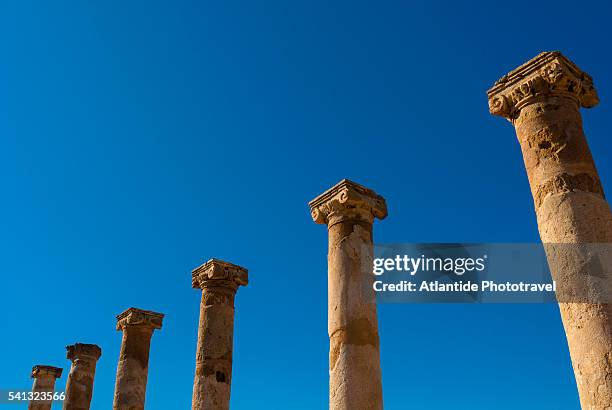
{"x": 348, "y": 209}
{"x": 133, "y": 368}
{"x": 219, "y": 282}
{"x": 542, "y": 98}
{"x": 79, "y": 387}
{"x": 44, "y": 383}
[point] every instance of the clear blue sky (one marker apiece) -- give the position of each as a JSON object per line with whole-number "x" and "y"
{"x": 140, "y": 138}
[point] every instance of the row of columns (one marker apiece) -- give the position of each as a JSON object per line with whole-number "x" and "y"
{"x": 542, "y": 100}
{"x": 137, "y": 326}
{"x": 219, "y": 282}
{"x": 79, "y": 387}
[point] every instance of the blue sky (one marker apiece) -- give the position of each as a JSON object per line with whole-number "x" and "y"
{"x": 141, "y": 138}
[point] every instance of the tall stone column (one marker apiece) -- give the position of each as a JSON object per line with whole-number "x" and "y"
{"x": 133, "y": 367}
{"x": 44, "y": 383}
{"x": 348, "y": 209}
{"x": 219, "y": 282}
{"x": 79, "y": 387}
{"x": 542, "y": 99}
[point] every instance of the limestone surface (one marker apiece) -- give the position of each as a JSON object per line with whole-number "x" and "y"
{"x": 44, "y": 383}
{"x": 542, "y": 99}
{"x": 79, "y": 387}
{"x": 137, "y": 326}
{"x": 219, "y": 282}
{"x": 355, "y": 379}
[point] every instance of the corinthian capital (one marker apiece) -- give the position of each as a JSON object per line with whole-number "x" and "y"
{"x": 41, "y": 371}
{"x": 548, "y": 74}
{"x": 218, "y": 273}
{"x": 347, "y": 200}
{"x": 83, "y": 350}
{"x": 133, "y": 317}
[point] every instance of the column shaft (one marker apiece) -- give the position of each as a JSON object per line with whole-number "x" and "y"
{"x": 132, "y": 369}
{"x": 571, "y": 208}
{"x": 42, "y": 385}
{"x": 354, "y": 356}
{"x": 211, "y": 389}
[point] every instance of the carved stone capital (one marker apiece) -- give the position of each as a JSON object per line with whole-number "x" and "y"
{"x": 40, "y": 371}
{"x": 347, "y": 200}
{"x": 133, "y": 317}
{"x": 218, "y": 273}
{"x": 549, "y": 74}
{"x": 83, "y": 351}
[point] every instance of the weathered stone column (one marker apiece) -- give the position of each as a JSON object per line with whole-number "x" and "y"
{"x": 219, "y": 282}
{"x": 133, "y": 367}
{"x": 79, "y": 387}
{"x": 44, "y": 383}
{"x": 542, "y": 99}
{"x": 355, "y": 380}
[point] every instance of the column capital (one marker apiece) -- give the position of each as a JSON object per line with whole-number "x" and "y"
{"x": 548, "y": 74}
{"x": 218, "y": 273}
{"x": 347, "y": 200}
{"x": 83, "y": 350}
{"x": 134, "y": 317}
{"x": 40, "y": 370}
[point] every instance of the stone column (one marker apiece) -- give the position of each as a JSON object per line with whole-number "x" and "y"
{"x": 133, "y": 367}
{"x": 44, "y": 383}
{"x": 79, "y": 387}
{"x": 348, "y": 209}
{"x": 542, "y": 99}
{"x": 219, "y": 282}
